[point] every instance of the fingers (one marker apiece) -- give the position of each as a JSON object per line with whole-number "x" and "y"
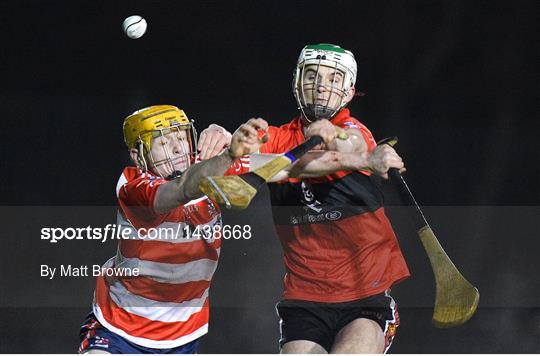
{"x": 258, "y": 123}
{"x": 215, "y": 146}
{"x": 383, "y": 158}
{"x": 206, "y": 140}
{"x": 249, "y": 131}
{"x": 245, "y": 139}
{"x": 321, "y": 147}
{"x": 385, "y": 175}
{"x": 390, "y": 158}
{"x": 212, "y": 141}
{"x": 322, "y": 128}
{"x": 202, "y": 144}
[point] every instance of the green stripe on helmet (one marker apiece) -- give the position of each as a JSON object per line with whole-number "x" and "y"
{"x": 326, "y": 47}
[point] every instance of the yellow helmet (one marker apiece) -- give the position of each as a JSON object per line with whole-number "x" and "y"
{"x": 154, "y": 121}
{"x": 139, "y": 125}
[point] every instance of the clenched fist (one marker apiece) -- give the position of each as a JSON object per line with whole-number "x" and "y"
{"x": 382, "y": 158}
{"x": 323, "y": 128}
{"x": 245, "y": 139}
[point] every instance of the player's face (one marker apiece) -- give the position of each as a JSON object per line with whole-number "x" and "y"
{"x": 170, "y": 152}
{"x": 323, "y": 86}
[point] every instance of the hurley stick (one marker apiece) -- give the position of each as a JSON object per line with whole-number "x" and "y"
{"x": 238, "y": 191}
{"x": 456, "y": 299}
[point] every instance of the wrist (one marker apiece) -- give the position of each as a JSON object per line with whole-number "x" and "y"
{"x": 361, "y": 161}
{"x": 230, "y": 154}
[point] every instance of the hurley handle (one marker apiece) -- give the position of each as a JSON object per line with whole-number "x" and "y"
{"x": 393, "y": 173}
{"x": 303, "y": 148}
{"x": 403, "y": 189}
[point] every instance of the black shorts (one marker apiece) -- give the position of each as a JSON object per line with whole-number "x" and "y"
{"x": 321, "y": 322}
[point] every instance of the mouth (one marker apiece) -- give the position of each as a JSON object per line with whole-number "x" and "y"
{"x": 179, "y": 162}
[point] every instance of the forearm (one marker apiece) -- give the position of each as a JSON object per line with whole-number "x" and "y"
{"x": 321, "y": 163}
{"x": 315, "y": 164}
{"x": 186, "y": 188}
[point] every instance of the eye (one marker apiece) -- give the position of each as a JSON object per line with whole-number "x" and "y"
{"x": 337, "y": 78}
{"x": 309, "y": 75}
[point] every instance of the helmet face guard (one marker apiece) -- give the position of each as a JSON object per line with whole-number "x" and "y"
{"x": 324, "y": 76}
{"x": 170, "y": 151}
{"x": 165, "y": 139}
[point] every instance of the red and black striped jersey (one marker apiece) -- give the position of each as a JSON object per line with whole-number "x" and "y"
{"x": 338, "y": 243}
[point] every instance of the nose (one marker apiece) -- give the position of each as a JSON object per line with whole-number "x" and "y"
{"x": 324, "y": 84}
{"x": 321, "y": 88}
{"x": 177, "y": 147}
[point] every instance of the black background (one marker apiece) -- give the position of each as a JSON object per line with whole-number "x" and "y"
{"x": 457, "y": 81}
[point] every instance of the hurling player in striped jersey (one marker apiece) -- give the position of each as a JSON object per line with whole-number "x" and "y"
{"x": 165, "y": 307}
{"x": 340, "y": 252}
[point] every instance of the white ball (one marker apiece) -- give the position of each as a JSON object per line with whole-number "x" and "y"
{"x": 134, "y": 26}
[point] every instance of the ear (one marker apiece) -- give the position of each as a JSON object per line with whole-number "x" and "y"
{"x": 350, "y": 95}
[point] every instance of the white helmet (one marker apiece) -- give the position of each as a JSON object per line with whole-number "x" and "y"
{"x": 317, "y": 56}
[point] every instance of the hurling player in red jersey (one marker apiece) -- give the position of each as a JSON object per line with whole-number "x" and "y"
{"x": 163, "y": 307}
{"x": 340, "y": 252}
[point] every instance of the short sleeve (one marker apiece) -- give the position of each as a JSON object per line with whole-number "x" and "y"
{"x": 136, "y": 198}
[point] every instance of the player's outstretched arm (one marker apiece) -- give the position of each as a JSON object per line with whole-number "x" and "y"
{"x": 321, "y": 163}
{"x": 244, "y": 141}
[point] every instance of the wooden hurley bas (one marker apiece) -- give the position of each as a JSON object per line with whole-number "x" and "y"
{"x": 456, "y": 299}
{"x": 238, "y": 191}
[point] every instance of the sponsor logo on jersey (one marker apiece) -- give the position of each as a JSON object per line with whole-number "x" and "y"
{"x": 333, "y": 215}
{"x": 309, "y": 198}
{"x": 351, "y": 125}
{"x": 316, "y": 218}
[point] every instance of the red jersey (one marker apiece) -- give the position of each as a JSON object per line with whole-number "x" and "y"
{"x": 167, "y": 304}
{"x": 338, "y": 243}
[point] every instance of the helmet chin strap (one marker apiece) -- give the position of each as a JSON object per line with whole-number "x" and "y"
{"x": 140, "y": 157}
{"x": 304, "y": 115}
